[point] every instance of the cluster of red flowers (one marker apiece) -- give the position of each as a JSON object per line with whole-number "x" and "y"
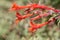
{"x": 39, "y": 13}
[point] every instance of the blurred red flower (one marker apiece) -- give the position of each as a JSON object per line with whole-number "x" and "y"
{"x": 20, "y": 17}
{"x": 40, "y": 16}
{"x": 17, "y": 7}
{"x": 34, "y": 27}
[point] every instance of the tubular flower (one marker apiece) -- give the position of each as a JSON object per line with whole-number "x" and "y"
{"x": 14, "y": 7}
{"x": 34, "y": 27}
{"x": 40, "y": 16}
{"x": 20, "y": 17}
{"x": 46, "y": 7}
{"x": 17, "y": 7}
{"x": 43, "y": 7}
{"x": 49, "y": 8}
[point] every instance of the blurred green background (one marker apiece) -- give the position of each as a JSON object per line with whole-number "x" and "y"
{"x": 21, "y": 31}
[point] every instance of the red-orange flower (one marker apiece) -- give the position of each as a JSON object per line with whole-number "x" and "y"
{"x": 40, "y": 16}
{"x": 14, "y": 7}
{"x": 34, "y": 27}
{"x": 20, "y": 17}
{"x": 17, "y": 7}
